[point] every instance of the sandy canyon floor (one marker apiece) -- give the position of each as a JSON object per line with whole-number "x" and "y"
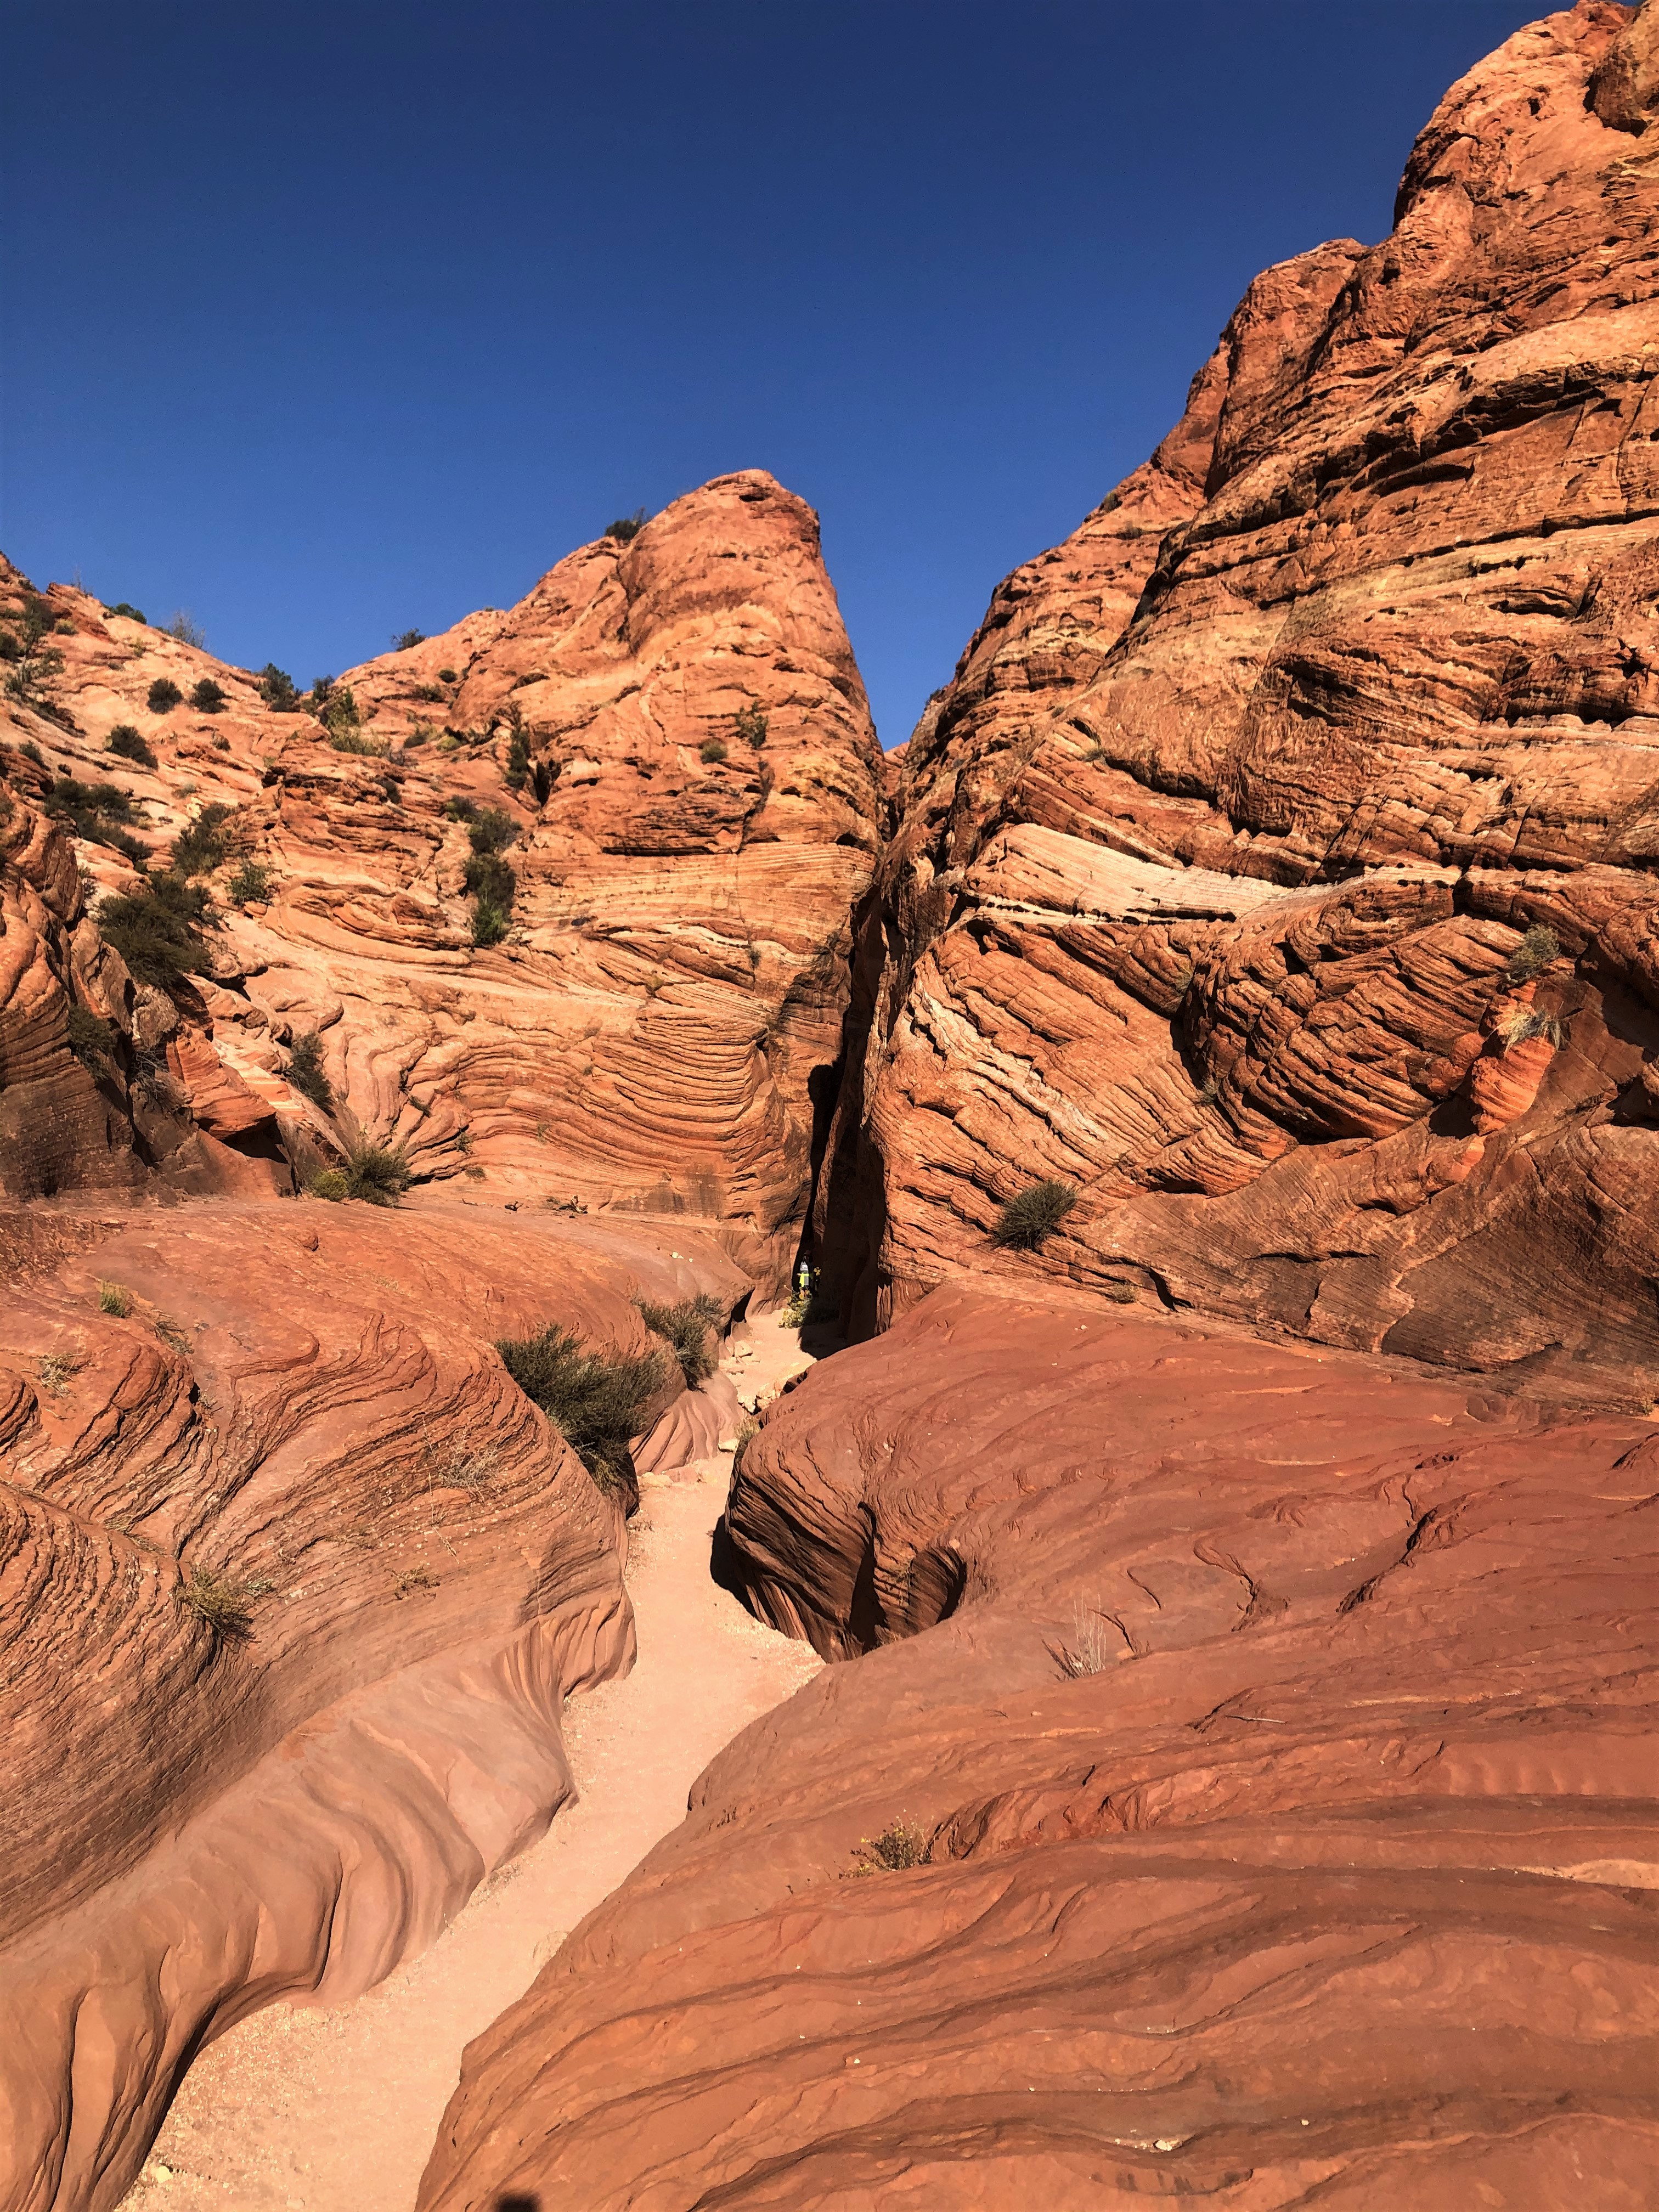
{"x": 334, "y": 2108}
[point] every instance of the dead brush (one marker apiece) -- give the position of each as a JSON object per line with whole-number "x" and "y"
{"x": 1090, "y": 1649}
{"x": 1522, "y": 1023}
{"x": 220, "y": 1602}
{"x": 413, "y": 1579}
{"x": 54, "y": 1371}
{"x": 461, "y": 1466}
{"x": 901, "y": 1844}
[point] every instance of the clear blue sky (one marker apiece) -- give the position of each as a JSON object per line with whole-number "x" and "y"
{"x": 325, "y": 321}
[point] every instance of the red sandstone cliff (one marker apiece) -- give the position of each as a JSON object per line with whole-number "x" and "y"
{"x": 664, "y": 997}
{"x": 1216, "y": 860}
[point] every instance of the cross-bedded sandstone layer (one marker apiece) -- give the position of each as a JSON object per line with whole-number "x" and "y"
{"x": 1225, "y": 863}
{"x": 1271, "y": 1728}
{"x": 294, "y": 1580}
{"x": 672, "y": 732}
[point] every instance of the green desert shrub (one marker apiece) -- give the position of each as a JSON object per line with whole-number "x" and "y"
{"x": 1033, "y": 1214}
{"x": 405, "y": 641}
{"x": 164, "y": 695}
{"x": 518, "y": 758}
{"x": 448, "y": 676}
{"x": 277, "y": 689}
{"x": 900, "y": 1844}
{"x": 347, "y": 739}
{"x": 114, "y": 1299}
{"x": 200, "y": 847}
{"x": 596, "y": 1404}
{"x": 121, "y": 607}
{"x": 156, "y": 929}
{"x": 713, "y": 749}
{"x": 489, "y": 880}
{"x": 329, "y": 1183}
{"x": 430, "y": 694}
{"x": 626, "y": 526}
{"x": 379, "y": 1174}
{"x": 685, "y": 1328}
{"x": 306, "y": 1072}
{"x": 250, "y": 885}
{"x": 129, "y": 743}
{"x": 98, "y": 812}
{"x": 207, "y": 698}
{"x": 91, "y": 1039}
{"x": 750, "y": 726}
{"x": 1538, "y": 950}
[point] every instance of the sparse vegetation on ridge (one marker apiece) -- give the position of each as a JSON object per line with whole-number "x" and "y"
{"x": 277, "y": 690}
{"x": 305, "y": 1070}
{"x": 202, "y": 847}
{"x": 207, "y": 698}
{"x": 157, "y": 930}
{"x": 164, "y": 695}
{"x": 626, "y": 526}
{"x": 220, "y": 1602}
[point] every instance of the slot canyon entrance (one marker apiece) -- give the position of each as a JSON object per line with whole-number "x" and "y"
{"x": 335, "y": 2108}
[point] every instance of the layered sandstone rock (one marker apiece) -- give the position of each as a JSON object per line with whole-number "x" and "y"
{"x": 673, "y": 731}
{"x": 1272, "y": 1727}
{"x": 1223, "y": 859}
{"x": 295, "y": 1580}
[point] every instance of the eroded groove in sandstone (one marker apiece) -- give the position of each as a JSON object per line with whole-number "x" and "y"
{"x": 298, "y": 1413}
{"x": 1280, "y": 1897}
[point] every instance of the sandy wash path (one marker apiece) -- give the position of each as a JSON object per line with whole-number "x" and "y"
{"x": 334, "y": 2109}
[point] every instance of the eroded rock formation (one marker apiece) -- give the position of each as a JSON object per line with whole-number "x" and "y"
{"x": 296, "y": 1580}
{"x": 670, "y": 734}
{"x": 1224, "y": 859}
{"x": 1326, "y": 1875}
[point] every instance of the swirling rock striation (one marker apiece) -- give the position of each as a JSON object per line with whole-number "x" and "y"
{"x": 296, "y": 1580}
{"x": 1222, "y": 861}
{"x": 1274, "y": 1729}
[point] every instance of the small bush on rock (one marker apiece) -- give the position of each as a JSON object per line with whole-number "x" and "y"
{"x": 306, "y": 1072}
{"x": 90, "y": 1040}
{"x": 713, "y": 749}
{"x": 626, "y": 526}
{"x": 379, "y": 1174}
{"x": 1538, "y": 948}
{"x": 685, "y": 1328}
{"x": 114, "y": 1299}
{"x": 1033, "y": 1215}
{"x": 164, "y": 695}
{"x": 219, "y": 1602}
{"x": 250, "y": 885}
{"x": 405, "y": 641}
{"x": 200, "y": 849}
{"x": 596, "y": 1403}
{"x": 129, "y": 743}
{"x": 157, "y": 930}
{"x": 207, "y": 698}
{"x": 750, "y": 726}
{"x": 900, "y": 1844}
{"x": 331, "y": 1184}
{"x": 132, "y": 613}
{"x": 277, "y": 689}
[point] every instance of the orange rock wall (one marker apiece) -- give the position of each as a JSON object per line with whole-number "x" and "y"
{"x": 1213, "y": 858}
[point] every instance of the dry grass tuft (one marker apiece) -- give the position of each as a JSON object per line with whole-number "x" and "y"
{"x": 413, "y": 1579}
{"x": 114, "y": 1299}
{"x": 53, "y": 1370}
{"x": 220, "y": 1602}
{"x": 1033, "y": 1215}
{"x": 1091, "y": 1648}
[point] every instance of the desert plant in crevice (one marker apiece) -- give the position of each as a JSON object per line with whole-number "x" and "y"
{"x": 127, "y": 742}
{"x": 1538, "y": 950}
{"x": 596, "y": 1402}
{"x": 685, "y": 1329}
{"x": 1024, "y": 1222}
{"x": 489, "y": 880}
{"x": 204, "y": 844}
{"x": 305, "y": 1070}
